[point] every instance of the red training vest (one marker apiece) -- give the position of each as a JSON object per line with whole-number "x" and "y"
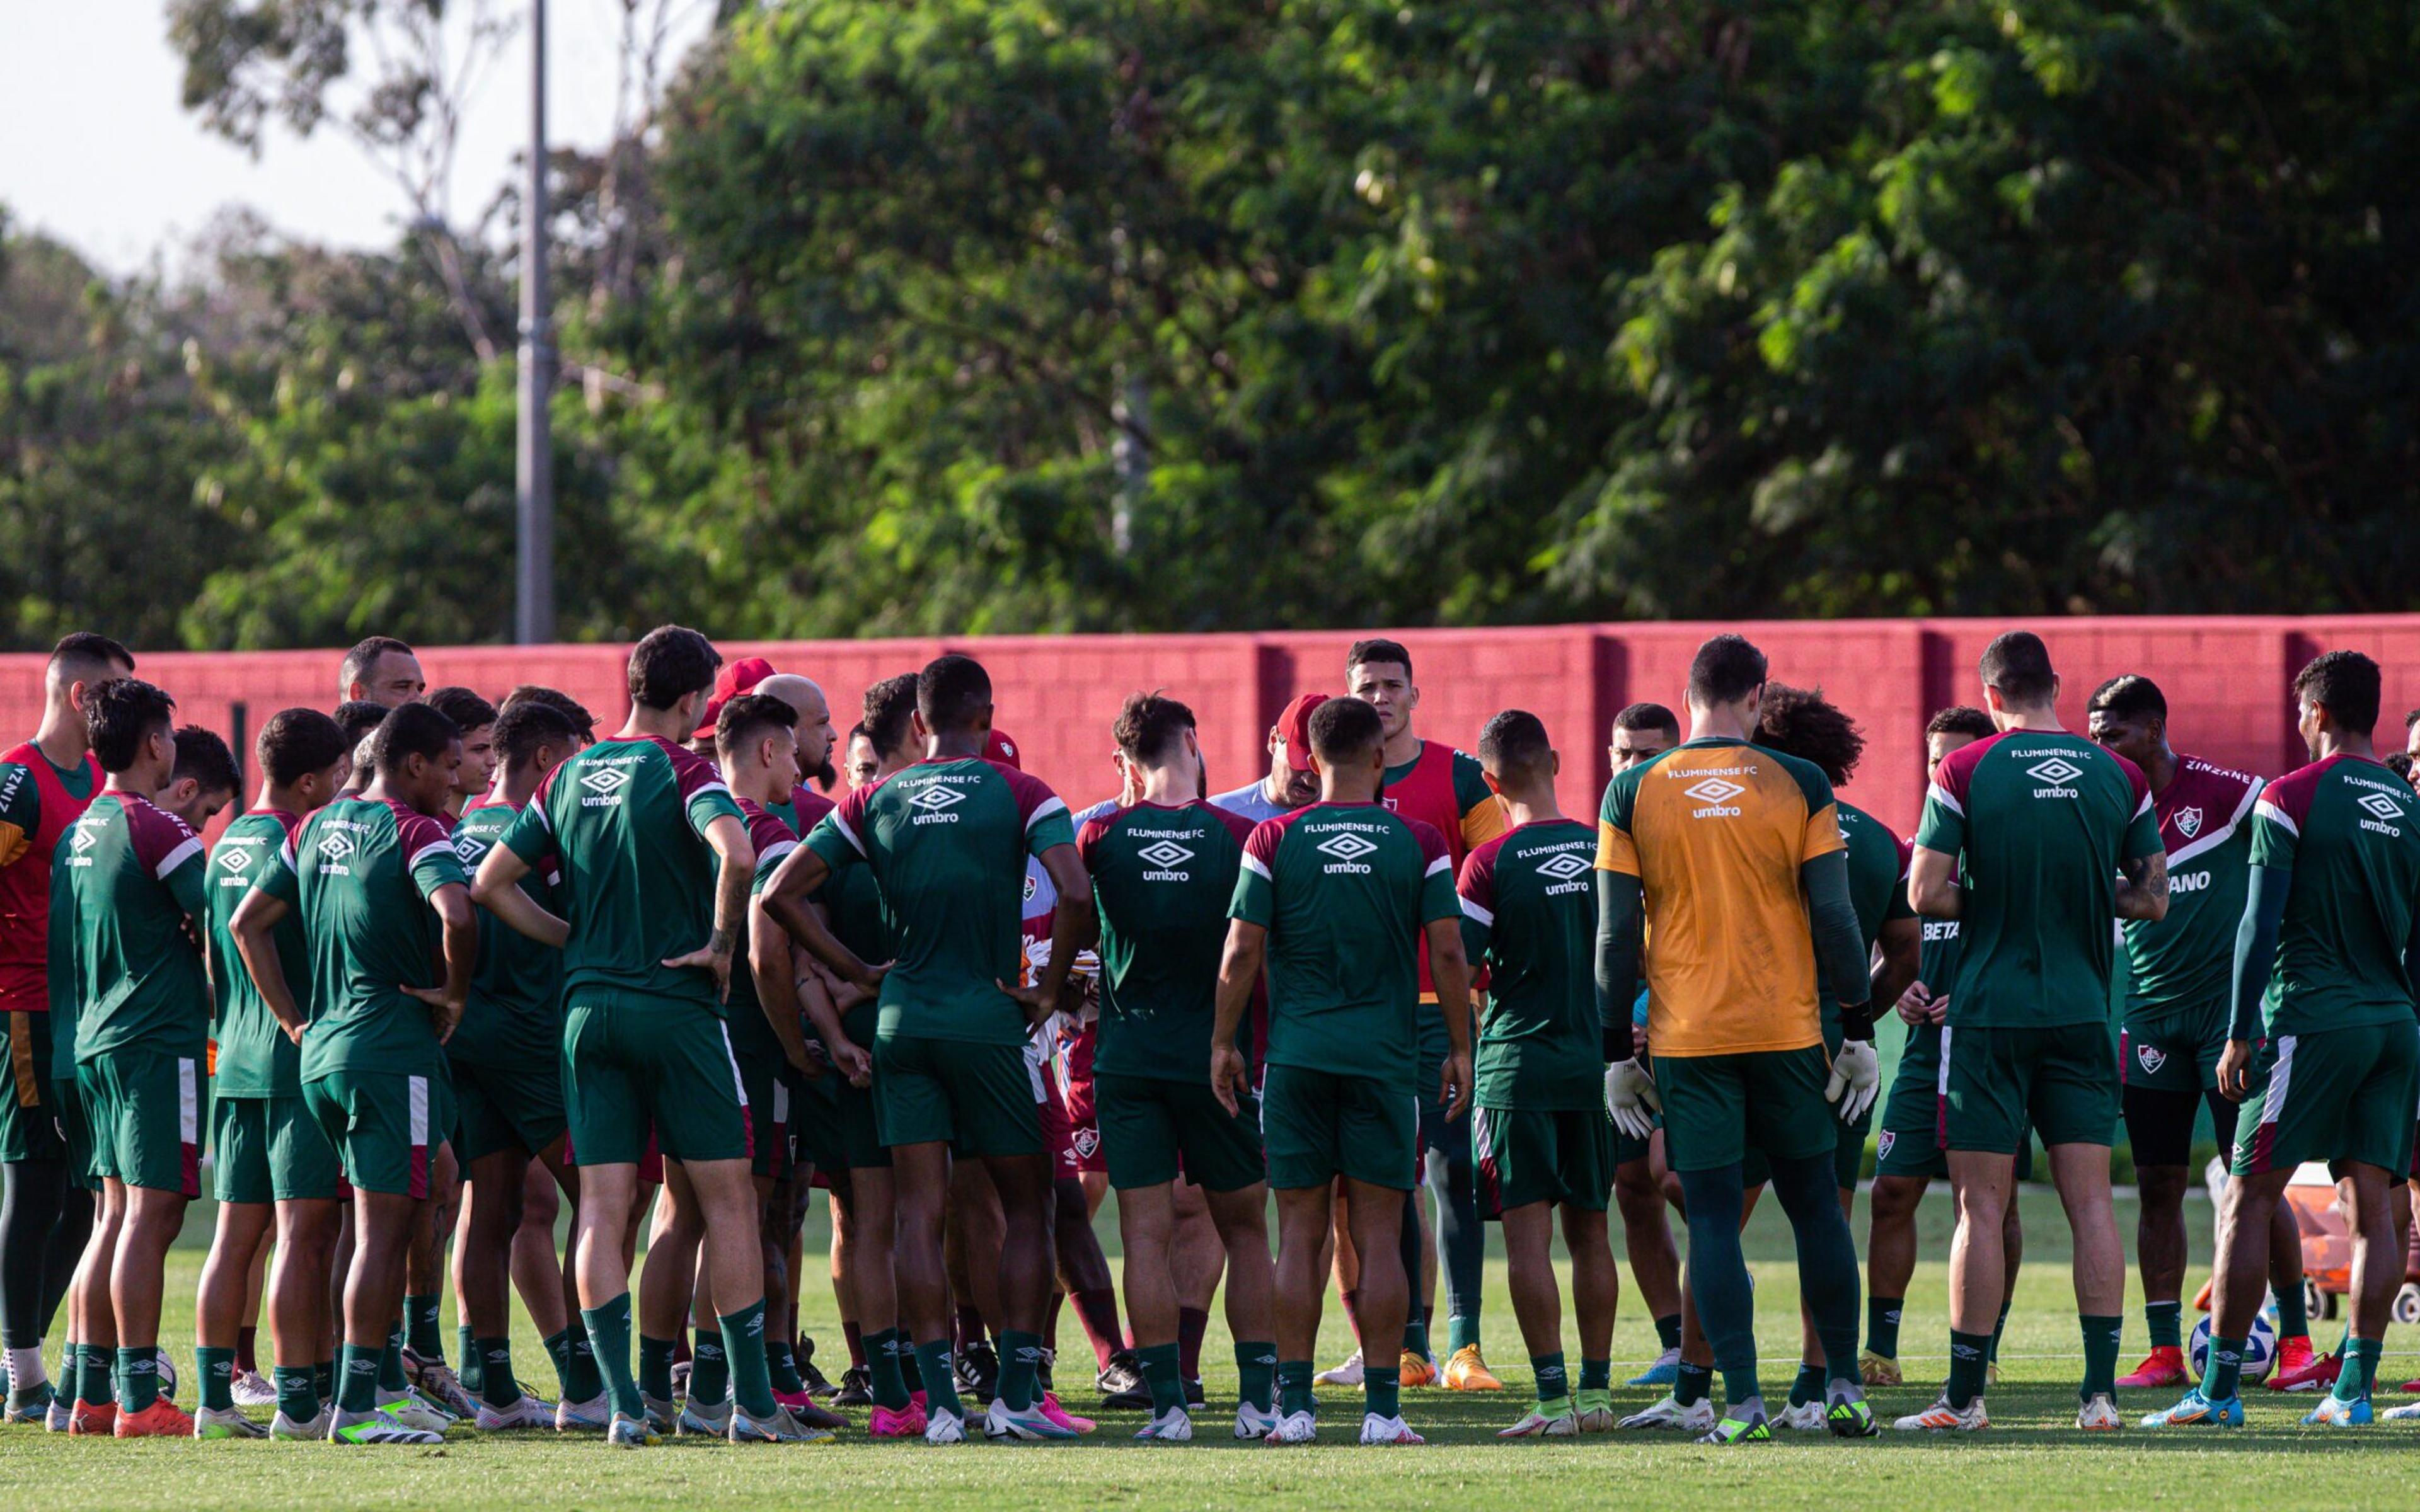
{"x": 25, "y": 886}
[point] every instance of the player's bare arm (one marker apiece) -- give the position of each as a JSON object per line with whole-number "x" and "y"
{"x": 824, "y": 1008}
{"x": 1932, "y": 883}
{"x": 728, "y": 836}
{"x": 1900, "y": 946}
{"x": 1239, "y": 971}
{"x": 778, "y": 995}
{"x": 251, "y": 926}
{"x": 2143, "y": 888}
{"x": 459, "y": 944}
{"x": 1450, "y": 970}
{"x": 497, "y": 888}
{"x": 785, "y": 898}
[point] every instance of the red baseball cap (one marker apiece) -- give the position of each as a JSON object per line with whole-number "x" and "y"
{"x": 737, "y": 677}
{"x": 1294, "y": 728}
{"x": 999, "y": 747}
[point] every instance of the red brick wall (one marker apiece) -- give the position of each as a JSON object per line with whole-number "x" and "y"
{"x": 2224, "y": 678}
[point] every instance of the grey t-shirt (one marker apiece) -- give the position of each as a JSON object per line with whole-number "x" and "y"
{"x": 1249, "y": 802}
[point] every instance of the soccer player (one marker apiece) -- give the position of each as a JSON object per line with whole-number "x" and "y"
{"x": 131, "y": 890}
{"x": 1164, "y": 870}
{"x": 476, "y": 719}
{"x": 1335, "y": 900}
{"x": 1539, "y": 1127}
{"x": 2177, "y": 1013}
{"x": 368, "y": 876}
{"x": 1442, "y": 786}
{"x": 1907, "y": 1152}
{"x": 274, "y": 1164}
{"x": 381, "y": 671}
{"x": 1290, "y": 782}
{"x": 358, "y": 719}
{"x": 2320, "y": 1048}
{"x": 504, "y": 1061}
{"x": 1730, "y": 857}
{"x": 1642, "y": 1188}
{"x": 203, "y": 781}
{"x": 2053, "y": 837}
{"x": 46, "y": 1217}
{"x": 947, "y": 841}
{"x": 1797, "y": 722}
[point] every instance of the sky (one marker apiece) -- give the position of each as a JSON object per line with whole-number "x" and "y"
{"x": 96, "y": 151}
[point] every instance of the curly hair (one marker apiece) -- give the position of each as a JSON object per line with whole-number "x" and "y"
{"x": 1801, "y": 723}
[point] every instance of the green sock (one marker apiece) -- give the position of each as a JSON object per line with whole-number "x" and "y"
{"x": 1382, "y": 1392}
{"x": 390, "y": 1374}
{"x": 473, "y": 1370}
{"x": 1970, "y": 1356}
{"x": 95, "y": 1380}
{"x": 656, "y": 1366}
{"x": 323, "y": 1380}
{"x": 1294, "y": 1388}
{"x": 609, "y": 1331}
{"x": 1415, "y": 1336}
{"x": 1460, "y": 1332}
{"x": 2000, "y": 1327}
{"x": 497, "y": 1386}
{"x": 1667, "y": 1331}
{"x": 885, "y": 1380}
{"x": 2103, "y": 1334}
{"x": 904, "y": 1350}
{"x": 2294, "y": 1322}
{"x": 1553, "y": 1384}
{"x": 1808, "y": 1385}
{"x": 1693, "y": 1384}
{"x": 1020, "y": 1359}
{"x": 1596, "y": 1375}
{"x": 138, "y": 1370}
{"x": 2222, "y": 1376}
{"x": 1740, "y": 1387}
{"x": 422, "y": 1333}
{"x": 781, "y": 1362}
{"x": 709, "y": 1371}
{"x": 587, "y": 1380}
{"x": 1881, "y": 1325}
{"x": 1256, "y": 1374}
{"x": 940, "y": 1382}
{"x": 2165, "y": 1320}
{"x": 2359, "y": 1369}
{"x": 360, "y": 1374}
{"x": 1160, "y": 1372}
{"x": 217, "y": 1367}
{"x": 298, "y": 1393}
{"x": 752, "y": 1383}
{"x": 558, "y": 1350}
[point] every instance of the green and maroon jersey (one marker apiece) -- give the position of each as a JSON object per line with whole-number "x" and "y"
{"x": 1163, "y": 877}
{"x": 361, "y": 872}
{"x": 130, "y": 883}
{"x": 751, "y": 1033}
{"x": 2181, "y": 966}
{"x": 2044, "y": 821}
{"x": 514, "y": 1014}
{"x": 947, "y": 840}
{"x": 38, "y": 802}
{"x": 1528, "y": 911}
{"x": 254, "y": 1056}
{"x": 2343, "y": 828}
{"x": 1346, "y": 891}
{"x": 623, "y": 824}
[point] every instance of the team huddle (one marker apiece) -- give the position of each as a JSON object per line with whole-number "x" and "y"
{"x": 461, "y": 967}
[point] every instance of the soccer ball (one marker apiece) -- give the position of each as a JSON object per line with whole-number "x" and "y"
{"x": 2259, "y": 1349}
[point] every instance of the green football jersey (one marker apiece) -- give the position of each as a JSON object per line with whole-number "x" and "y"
{"x": 2044, "y": 821}
{"x": 1877, "y": 891}
{"x": 1345, "y": 890}
{"x": 361, "y": 872}
{"x": 2181, "y": 966}
{"x": 1162, "y": 877}
{"x": 131, "y": 882}
{"x": 752, "y": 1032}
{"x": 516, "y": 1011}
{"x": 624, "y": 824}
{"x": 947, "y": 840}
{"x": 254, "y": 1056}
{"x": 859, "y": 920}
{"x": 2343, "y": 828}
{"x": 1528, "y": 911}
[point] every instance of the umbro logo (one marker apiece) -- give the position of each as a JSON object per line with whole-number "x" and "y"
{"x": 2380, "y": 805}
{"x": 232, "y": 857}
{"x": 933, "y": 798}
{"x": 1563, "y": 865}
{"x": 335, "y": 846}
{"x": 2152, "y": 1058}
{"x": 84, "y": 841}
{"x": 1346, "y": 848}
{"x": 605, "y": 781}
{"x": 469, "y": 848}
{"x": 1167, "y": 854}
{"x": 1713, "y": 790}
{"x": 2189, "y": 822}
{"x": 2058, "y": 771}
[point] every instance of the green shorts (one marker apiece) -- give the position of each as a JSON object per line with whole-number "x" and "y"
{"x": 982, "y": 1099}
{"x": 1718, "y": 1109}
{"x": 268, "y": 1150}
{"x": 29, "y": 1122}
{"x": 2338, "y": 1095}
{"x": 386, "y": 1126}
{"x": 1626, "y": 1149}
{"x": 1526, "y": 1156}
{"x": 771, "y": 1088}
{"x": 635, "y": 1064}
{"x": 144, "y": 1107}
{"x": 853, "y": 1136}
{"x": 2064, "y": 1079}
{"x": 515, "y": 1104}
{"x": 75, "y": 1133}
{"x": 1153, "y": 1130}
{"x": 2175, "y": 1054}
{"x": 1317, "y": 1125}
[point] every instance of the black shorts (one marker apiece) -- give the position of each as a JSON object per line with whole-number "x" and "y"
{"x": 2160, "y": 1121}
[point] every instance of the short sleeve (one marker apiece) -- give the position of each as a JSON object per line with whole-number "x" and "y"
{"x": 1437, "y": 897}
{"x": 1942, "y": 828}
{"x": 2143, "y": 827}
{"x": 1822, "y": 835}
{"x": 185, "y": 882}
{"x": 430, "y": 856}
{"x": 2275, "y": 836}
{"x": 20, "y": 811}
{"x": 278, "y": 878}
{"x": 836, "y": 837}
{"x": 1089, "y": 838}
{"x": 1482, "y": 812}
{"x": 1255, "y": 900}
{"x": 1900, "y": 906}
{"x": 530, "y": 836}
{"x": 773, "y": 840}
{"x": 1616, "y": 850}
{"x": 1476, "y": 888}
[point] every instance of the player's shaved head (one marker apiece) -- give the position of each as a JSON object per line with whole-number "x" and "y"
{"x": 296, "y": 742}
{"x": 1801, "y": 722}
{"x": 1726, "y": 670}
{"x": 1344, "y": 731}
{"x": 1150, "y": 729}
{"x": 799, "y": 691}
{"x": 85, "y": 657}
{"x": 953, "y": 695}
{"x": 1514, "y": 748}
{"x": 889, "y": 714}
{"x": 2345, "y": 683}
{"x": 670, "y": 663}
{"x": 2016, "y": 665}
{"x": 749, "y": 718}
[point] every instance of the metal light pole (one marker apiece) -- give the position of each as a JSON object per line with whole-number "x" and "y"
{"x": 534, "y": 466}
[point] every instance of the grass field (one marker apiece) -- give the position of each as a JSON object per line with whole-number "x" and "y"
{"x": 2032, "y": 1458}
